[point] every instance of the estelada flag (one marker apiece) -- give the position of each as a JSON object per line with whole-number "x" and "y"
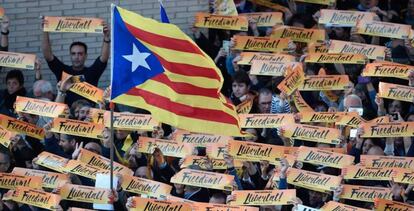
{"x": 155, "y": 66}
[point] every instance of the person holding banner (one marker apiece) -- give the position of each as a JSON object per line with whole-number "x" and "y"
{"x": 15, "y": 87}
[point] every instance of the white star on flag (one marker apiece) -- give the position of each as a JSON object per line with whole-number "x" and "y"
{"x": 137, "y": 58}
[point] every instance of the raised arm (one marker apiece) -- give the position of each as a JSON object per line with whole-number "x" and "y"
{"x": 105, "y": 44}
{"x": 46, "y": 47}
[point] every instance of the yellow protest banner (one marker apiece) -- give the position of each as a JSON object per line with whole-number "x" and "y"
{"x": 377, "y": 161}
{"x": 145, "y": 186}
{"x": 351, "y": 119}
{"x": 245, "y": 106}
{"x": 131, "y": 121}
{"x": 396, "y": 92}
{"x": 312, "y": 180}
{"x": 82, "y": 169}
{"x": 300, "y": 103}
{"x": 73, "y": 24}
{"x": 265, "y": 120}
{"x": 367, "y": 173}
{"x": 324, "y": 82}
{"x": 51, "y": 161}
{"x": 365, "y": 193}
{"x": 216, "y": 151}
{"x": 199, "y": 139}
{"x": 225, "y": 7}
{"x": 292, "y": 81}
{"x": 217, "y": 164}
{"x": 204, "y": 179}
{"x": 265, "y": 19}
{"x": 49, "y": 179}
{"x": 264, "y": 197}
{"x": 34, "y": 197}
{"x": 250, "y": 151}
{"x": 11, "y": 181}
{"x": 370, "y": 51}
{"x": 392, "y": 129}
{"x": 102, "y": 162}
{"x": 247, "y": 58}
{"x": 17, "y": 60}
{"x": 383, "y": 29}
{"x": 298, "y": 34}
{"x": 315, "y": 47}
{"x": 6, "y": 136}
{"x": 403, "y": 175}
{"x": 327, "y": 117}
{"x": 228, "y": 22}
{"x": 97, "y": 115}
{"x": 326, "y": 158}
{"x": 39, "y": 107}
{"x": 383, "y": 204}
{"x": 387, "y": 69}
{"x": 77, "y": 128}
{"x": 333, "y": 205}
{"x": 140, "y": 204}
{"x": 88, "y": 91}
{"x": 249, "y": 43}
{"x": 199, "y": 206}
{"x": 271, "y": 68}
{"x": 21, "y": 127}
{"x": 167, "y": 147}
{"x": 336, "y": 58}
{"x": 312, "y": 133}
{"x": 269, "y": 4}
{"x": 323, "y": 2}
{"x": 343, "y": 18}
{"x": 86, "y": 194}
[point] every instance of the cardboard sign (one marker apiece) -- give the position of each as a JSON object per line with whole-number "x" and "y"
{"x": 49, "y": 179}
{"x": 333, "y": 205}
{"x": 34, "y": 197}
{"x": 312, "y": 133}
{"x": 82, "y": 169}
{"x": 21, "y": 127}
{"x": 383, "y": 29}
{"x": 145, "y": 186}
{"x": 269, "y": 4}
{"x": 86, "y": 194}
{"x": 245, "y": 106}
{"x": 11, "y": 181}
{"x": 392, "y": 129}
{"x": 88, "y": 91}
{"x": 324, "y": 82}
{"x": 326, "y": 158}
{"x": 383, "y": 204}
{"x": 271, "y": 68}
{"x": 225, "y": 7}
{"x": 249, "y": 43}
{"x": 131, "y": 121}
{"x": 204, "y": 179}
{"x": 216, "y": 151}
{"x": 351, "y": 119}
{"x": 365, "y": 193}
{"x": 199, "y": 206}
{"x": 5, "y": 137}
{"x": 314, "y": 47}
{"x": 336, "y": 58}
{"x": 97, "y": 115}
{"x": 264, "y": 197}
{"x": 153, "y": 204}
{"x": 77, "y": 128}
{"x": 218, "y": 164}
{"x": 265, "y": 120}
{"x": 312, "y": 180}
{"x": 387, "y": 161}
{"x": 1, "y": 13}
{"x": 199, "y": 139}
{"x": 370, "y": 51}
{"x": 292, "y": 81}
{"x": 396, "y": 92}
{"x": 322, "y": 2}
{"x": 102, "y": 162}
{"x": 250, "y": 151}
{"x": 247, "y": 58}
{"x": 387, "y": 69}
{"x": 265, "y": 19}
{"x": 298, "y": 34}
{"x": 367, "y": 173}
{"x": 206, "y": 20}
{"x": 17, "y": 60}
{"x": 39, "y": 107}
{"x": 326, "y": 117}
{"x": 51, "y": 161}
{"x": 300, "y": 207}
{"x": 403, "y": 175}
{"x": 300, "y": 103}
{"x": 73, "y": 24}
{"x": 167, "y": 147}
{"x": 343, "y": 18}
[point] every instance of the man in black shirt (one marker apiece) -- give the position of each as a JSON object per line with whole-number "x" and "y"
{"x": 78, "y": 55}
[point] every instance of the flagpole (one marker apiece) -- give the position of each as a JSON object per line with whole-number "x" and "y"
{"x": 111, "y": 156}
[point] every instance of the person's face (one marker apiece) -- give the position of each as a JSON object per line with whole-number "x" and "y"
{"x": 365, "y": 147}
{"x": 83, "y": 113}
{"x": 394, "y": 107}
{"x": 67, "y": 146}
{"x": 264, "y": 102}
{"x": 141, "y": 172}
{"x": 78, "y": 56}
{"x": 4, "y": 163}
{"x": 239, "y": 89}
{"x": 315, "y": 197}
{"x": 13, "y": 85}
{"x": 369, "y": 3}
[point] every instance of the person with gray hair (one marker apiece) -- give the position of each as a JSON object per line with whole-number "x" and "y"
{"x": 43, "y": 89}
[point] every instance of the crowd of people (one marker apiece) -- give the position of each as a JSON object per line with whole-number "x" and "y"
{"x": 239, "y": 86}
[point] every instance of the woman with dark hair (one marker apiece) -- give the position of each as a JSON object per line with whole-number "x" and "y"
{"x": 14, "y": 83}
